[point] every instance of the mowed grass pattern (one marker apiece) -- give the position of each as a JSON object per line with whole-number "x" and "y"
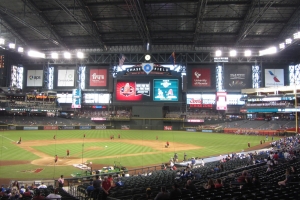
{"x": 209, "y": 144}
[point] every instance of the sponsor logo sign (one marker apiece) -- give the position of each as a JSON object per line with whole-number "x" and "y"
{"x": 125, "y": 127}
{"x": 11, "y": 127}
{"x": 30, "y": 128}
{"x": 274, "y": 77}
{"x": 221, "y": 101}
{"x": 100, "y": 127}
{"x": 50, "y": 127}
{"x": 98, "y": 119}
{"x": 195, "y": 120}
{"x": 207, "y": 131}
{"x": 85, "y": 127}
{"x": 67, "y": 127}
{"x": 201, "y": 77}
{"x": 98, "y": 77}
{"x": 191, "y": 129}
{"x": 66, "y": 78}
{"x": 168, "y": 128}
{"x": 237, "y": 77}
{"x": 34, "y": 78}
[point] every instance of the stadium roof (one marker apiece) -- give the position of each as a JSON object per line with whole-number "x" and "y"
{"x": 167, "y": 25}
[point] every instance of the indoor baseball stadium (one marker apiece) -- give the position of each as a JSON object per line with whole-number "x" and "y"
{"x": 149, "y": 99}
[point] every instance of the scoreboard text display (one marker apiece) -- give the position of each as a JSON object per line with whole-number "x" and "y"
{"x": 147, "y": 89}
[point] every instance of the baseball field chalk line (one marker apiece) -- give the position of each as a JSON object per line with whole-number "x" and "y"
{"x": 4, "y": 147}
{"x": 7, "y": 138}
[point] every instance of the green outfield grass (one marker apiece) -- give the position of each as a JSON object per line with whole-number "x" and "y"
{"x": 99, "y": 149}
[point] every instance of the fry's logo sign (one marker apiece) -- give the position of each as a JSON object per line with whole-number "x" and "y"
{"x": 98, "y": 77}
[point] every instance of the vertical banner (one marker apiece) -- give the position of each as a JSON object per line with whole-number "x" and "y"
{"x": 76, "y": 98}
{"x": 274, "y": 77}
{"x": 237, "y": 77}
{"x": 221, "y": 101}
{"x": 34, "y": 78}
{"x": 66, "y": 78}
{"x": 98, "y": 77}
{"x": 201, "y": 77}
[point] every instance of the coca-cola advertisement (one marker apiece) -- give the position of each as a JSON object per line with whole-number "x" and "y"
{"x": 98, "y": 77}
{"x": 167, "y": 128}
{"x": 195, "y": 103}
{"x": 201, "y": 77}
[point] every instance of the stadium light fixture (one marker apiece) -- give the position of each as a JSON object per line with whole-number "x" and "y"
{"x": 288, "y": 41}
{"x": 268, "y": 51}
{"x": 67, "y": 55}
{"x": 20, "y": 49}
{"x": 12, "y": 45}
{"x": 297, "y": 35}
{"x": 54, "y": 55}
{"x": 80, "y": 55}
{"x": 281, "y": 45}
{"x": 218, "y": 53}
{"x": 247, "y": 53}
{"x": 233, "y": 53}
{"x": 36, "y": 54}
{"x": 2, "y": 41}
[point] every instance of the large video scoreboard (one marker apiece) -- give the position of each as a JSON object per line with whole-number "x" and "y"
{"x": 148, "y": 89}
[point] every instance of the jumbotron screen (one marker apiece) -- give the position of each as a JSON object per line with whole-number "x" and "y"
{"x": 147, "y": 90}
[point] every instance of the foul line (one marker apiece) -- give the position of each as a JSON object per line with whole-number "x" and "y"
{"x": 7, "y": 138}
{"x": 4, "y": 147}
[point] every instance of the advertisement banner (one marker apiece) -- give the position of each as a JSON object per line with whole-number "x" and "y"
{"x": 274, "y": 77}
{"x": 207, "y": 131}
{"x": 191, "y": 130}
{"x": 30, "y": 128}
{"x": 221, "y": 101}
{"x": 11, "y": 127}
{"x": 168, "y": 128}
{"x": 76, "y": 98}
{"x": 96, "y": 98}
{"x": 98, "y": 77}
{"x": 50, "y": 127}
{"x": 66, "y": 78}
{"x": 100, "y": 127}
{"x": 67, "y": 127}
{"x": 165, "y": 90}
{"x": 201, "y": 77}
{"x": 195, "y": 120}
{"x": 85, "y": 127}
{"x": 131, "y": 90}
{"x": 125, "y": 127}
{"x": 98, "y": 119}
{"x": 237, "y": 77}
{"x": 34, "y": 78}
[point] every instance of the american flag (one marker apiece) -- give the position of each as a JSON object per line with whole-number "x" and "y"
{"x": 121, "y": 60}
{"x": 173, "y": 58}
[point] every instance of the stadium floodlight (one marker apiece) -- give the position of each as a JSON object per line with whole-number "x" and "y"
{"x": 67, "y": 55}
{"x": 54, "y": 55}
{"x": 297, "y": 35}
{"x": 12, "y": 45}
{"x": 288, "y": 41}
{"x": 233, "y": 53}
{"x": 36, "y": 54}
{"x": 247, "y": 53}
{"x": 281, "y": 45}
{"x": 2, "y": 41}
{"x": 268, "y": 51}
{"x": 20, "y": 49}
{"x": 80, "y": 55}
{"x": 218, "y": 53}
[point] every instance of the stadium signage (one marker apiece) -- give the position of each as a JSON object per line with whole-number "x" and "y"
{"x": 207, "y": 131}
{"x": 125, "y": 127}
{"x": 201, "y": 77}
{"x": 195, "y": 120}
{"x": 220, "y": 59}
{"x": 100, "y": 127}
{"x": 34, "y": 78}
{"x": 67, "y": 127}
{"x": 50, "y": 127}
{"x": 168, "y": 128}
{"x": 11, "y": 127}
{"x": 274, "y": 77}
{"x": 30, "y": 128}
{"x": 65, "y": 78}
{"x": 98, "y": 119}
{"x": 98, "y": 77}
{"x": 151, "y": 69}
{"x": 191, "y": 129}
{"x": 85, "y": 127}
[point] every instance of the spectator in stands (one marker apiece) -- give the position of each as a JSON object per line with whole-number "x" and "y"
{"x": 175, "y": 194}
{"x": 61, "y": 181}
{"x": 16, "y": 184}
{"x": 210, "y": 184}
{"x": 97, "y": 187}
{"x": 163, "y": 195}
{"x": 287, "y": 178}
{"x": 106, "y": 186}
{"x": 148, "y": 193}
{"x": 38, "y": 195}
{"x": 90, "y": 189}
{"x": 218, "y": 183}
{"x": 54, "y": 195}
{"x": 247, "y": 184}
{"x": 27, "y": 193}
{"x": 22, "y": 190}
{"x": 15, "y": 193}
{"x": 42, "y": 186}
{"x": 190, "y": 186}
{"x": 256, "y": 181}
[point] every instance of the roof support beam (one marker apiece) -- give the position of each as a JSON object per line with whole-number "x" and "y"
{"x": 251, "y": 19}
{"x": 199, "y": 20}
{"x": 92, "y": 30}
{"x": 138, "y": 14}
{"x": 293, "y": 21}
